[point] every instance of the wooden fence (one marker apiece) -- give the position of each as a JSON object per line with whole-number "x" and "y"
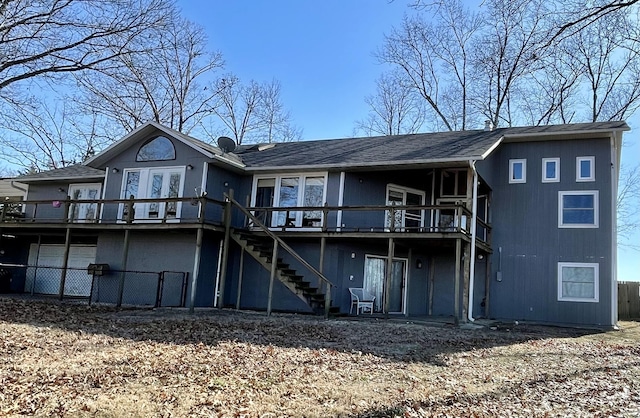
{"x": 628, "y": 300}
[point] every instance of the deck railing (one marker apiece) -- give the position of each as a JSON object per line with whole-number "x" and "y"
{"x": 372, "y": 218}
{"x": 108, "y": 211}
{"x": 445, "y": 218}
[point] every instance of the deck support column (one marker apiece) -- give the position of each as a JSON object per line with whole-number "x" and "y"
{"x": 65, "y": 262}
{"x": 466, "y": 274}
{"x": 274, "y": 269}
{"x": 487, "y": 283}
{"x": 225, "y": 248}
{"x": 196, "y": 269}
{"x": 432, "y": 272}
{"x": 388, "y": 275}
{"x": 240, "y": 275}
{"x": 456, "y": 281}
{"x": 323, "y": 245}
{"x": 123, "y": 268}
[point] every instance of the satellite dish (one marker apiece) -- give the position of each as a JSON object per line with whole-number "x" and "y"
{"x": 226, "y": 144}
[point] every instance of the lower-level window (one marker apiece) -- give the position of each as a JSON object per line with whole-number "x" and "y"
{"x": 578, "y": 282}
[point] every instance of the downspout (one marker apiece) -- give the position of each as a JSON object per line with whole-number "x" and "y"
{"x": 474, "y": 219}
{"x": 615, "y": 145}
{"x": 18, "y": 187}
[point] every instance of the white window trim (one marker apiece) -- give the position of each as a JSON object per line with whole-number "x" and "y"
{"x": 80, "y": 186}
{"x": 596, "y": 279}
{"x": 592, "y": 177}
{"x": 512, "y": 162}
{"x": 596, "y": 211}
{"x": 546, "y": 179}
{"x": 276, "y": 192}
{"x": 405, "y": 190}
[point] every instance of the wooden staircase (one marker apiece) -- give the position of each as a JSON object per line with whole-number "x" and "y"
{"x": 260, "y": 247}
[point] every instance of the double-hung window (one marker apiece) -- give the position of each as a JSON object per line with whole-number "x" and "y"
{"x": 578, "y": 209}
{"x": 550, "y": 170}
{"x": 578, "y": 282}
{"x": 290, "y": 191}
{"x": 518, "y": 171}
{"x": 585, "y": 168}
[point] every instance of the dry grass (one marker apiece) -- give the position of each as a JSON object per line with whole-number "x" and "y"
{"x": 70, "y": 360}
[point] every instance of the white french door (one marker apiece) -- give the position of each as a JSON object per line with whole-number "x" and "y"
{"x": 84, "y": 212}
{"x": 153, "y": 183}
{"x": 163, "y": 184}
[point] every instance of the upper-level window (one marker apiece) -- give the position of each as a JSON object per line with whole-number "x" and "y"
{"x": 157, "y": 149}
{"x": 578, "y": 209}
{"x": 453, "y": 182}
{"x": 290, "y": 191}
{"x": 518, "y": 171}
{"x": 550, "y": 170}
{"x": 585, "y": 168}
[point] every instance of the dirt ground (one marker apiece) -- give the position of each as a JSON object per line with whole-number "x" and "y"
{"x": 74, "y": 360}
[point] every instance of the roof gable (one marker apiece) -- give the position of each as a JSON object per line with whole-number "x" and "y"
{"x": 208, "y": 150}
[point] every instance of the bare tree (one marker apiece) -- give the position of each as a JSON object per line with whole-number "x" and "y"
{"x": 237, "y": 106}
{"x": 253, "y": 112}
{"x": 396, "y": 108}
{"x": 41, "y": 135}
{"x": 609, "y": 61}
{"x": 627, "y": 205}
{"x": 277, "y": 126}
{"x": 435, "y": 58}
{"x": 48, "y": 37}
{"x": 166, "y": 82}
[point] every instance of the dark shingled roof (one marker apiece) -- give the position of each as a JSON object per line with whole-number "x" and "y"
{"x": 401, "y": 149}
{"x": 77, "y": 171}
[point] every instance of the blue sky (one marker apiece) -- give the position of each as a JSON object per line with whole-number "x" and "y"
{"x": 322, "y": 53}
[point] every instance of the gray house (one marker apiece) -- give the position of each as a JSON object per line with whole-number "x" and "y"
{"x": 509, "y": 223}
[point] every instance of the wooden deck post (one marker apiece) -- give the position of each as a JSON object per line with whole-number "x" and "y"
{"x": 323, "y": 244}
{"x": 240, "y": 275}
{"x": 225, "y": 248}
{"x": 487, "y": 284}
{"x": 123, "y": 272}
{"x": 456, "y": 281}
{"x": 196, "y": 269}
{"x": 65, "y": 262}
{"x": 389, "y": 273}
{"x": 274, "y": 269}
{"x": 432, "y": 272}
{"x": 466, "y": 276}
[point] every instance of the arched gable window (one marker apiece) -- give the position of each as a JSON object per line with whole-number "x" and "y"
{"x": 156, "y": 149}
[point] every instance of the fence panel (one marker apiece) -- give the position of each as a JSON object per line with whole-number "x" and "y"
{"x": 140, "y": 288}
{"x": 628, "y": 300}
{"x": 44, "y": 280}
{"x": 172, "y": 288}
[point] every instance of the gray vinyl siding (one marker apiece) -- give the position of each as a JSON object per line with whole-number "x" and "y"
{"x": 525, "y": 226}
{"x": 148, "y": 252}
{"x": 185, "y": 155}
{"x": 50, "y": 190}
{"x": 339, "y": 267}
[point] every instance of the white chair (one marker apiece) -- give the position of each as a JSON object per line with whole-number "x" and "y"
{"x": 361, "y": 299}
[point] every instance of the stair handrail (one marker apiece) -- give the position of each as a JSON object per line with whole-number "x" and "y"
{"x": 291, "y": 251}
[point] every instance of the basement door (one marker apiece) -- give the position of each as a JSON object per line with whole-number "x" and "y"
{"x": 45, "y": 278}
{"x": 375, "y": 269}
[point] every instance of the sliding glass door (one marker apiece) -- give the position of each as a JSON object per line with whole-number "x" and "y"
{"x": 375, "y": 269}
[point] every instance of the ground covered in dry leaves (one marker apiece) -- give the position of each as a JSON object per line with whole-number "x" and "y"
{"x": 74, "y": 360}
